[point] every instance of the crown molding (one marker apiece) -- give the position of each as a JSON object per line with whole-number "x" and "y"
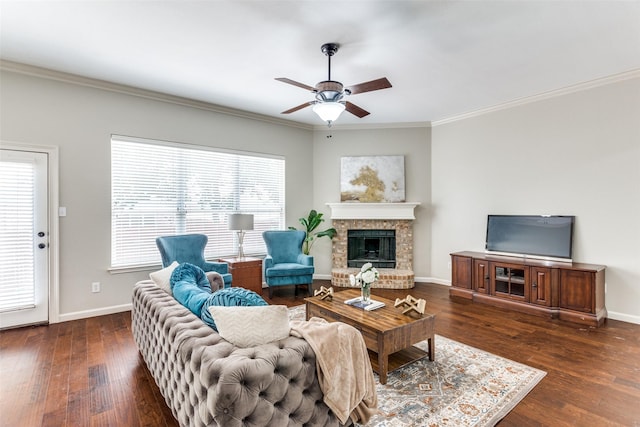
{"x": 45, "y": 73}
{"x": 627, "y": 75}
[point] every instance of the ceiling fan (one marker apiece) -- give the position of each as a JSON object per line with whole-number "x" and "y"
{"x": 329, "y": 102}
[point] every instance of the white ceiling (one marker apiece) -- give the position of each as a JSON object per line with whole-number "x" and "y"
{"x": 443, "y": 58}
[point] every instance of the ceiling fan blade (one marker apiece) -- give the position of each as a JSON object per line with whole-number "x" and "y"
{"x": 299, "y": 107}
{"x": 355, "y": 110}
{"x": 295, "y": 83}
{"x": 382, "y": 83}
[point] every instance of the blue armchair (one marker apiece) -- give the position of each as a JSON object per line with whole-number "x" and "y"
{"x": 285, "y": 264}
{"x": 190, "y": 248}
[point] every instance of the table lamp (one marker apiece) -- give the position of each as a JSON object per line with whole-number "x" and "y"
{"x": 240, "y": 223}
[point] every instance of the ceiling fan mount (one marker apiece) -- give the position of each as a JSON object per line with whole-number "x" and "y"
{"x": 330, "y": 49}
{"x": 329, "y": 93}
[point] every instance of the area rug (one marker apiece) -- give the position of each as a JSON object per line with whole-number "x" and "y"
{"x": 463, "y": 386}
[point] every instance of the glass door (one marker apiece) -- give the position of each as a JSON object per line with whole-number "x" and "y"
{"x": 509, "y": 281}
{"x": 24, "y": 245}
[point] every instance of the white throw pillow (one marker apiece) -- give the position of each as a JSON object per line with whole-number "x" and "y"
{"x": 249, "y": 326}
{"x": 162, "y": 278}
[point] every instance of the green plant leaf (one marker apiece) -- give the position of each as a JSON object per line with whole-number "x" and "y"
{"x": 313, "y": 221}
{"x": 330, "y": 232}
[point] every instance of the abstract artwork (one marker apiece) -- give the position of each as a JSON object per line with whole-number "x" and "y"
{"x": 372, "y": 179}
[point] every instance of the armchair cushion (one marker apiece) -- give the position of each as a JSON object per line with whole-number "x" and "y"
{"x": 288, "y": 269}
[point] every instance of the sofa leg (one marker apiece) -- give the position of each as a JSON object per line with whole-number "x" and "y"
{"x": 270, "y": 292}
{"x": 310, "y": 289}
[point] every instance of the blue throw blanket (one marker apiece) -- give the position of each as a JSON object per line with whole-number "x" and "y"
{"x": 192, "y": 289}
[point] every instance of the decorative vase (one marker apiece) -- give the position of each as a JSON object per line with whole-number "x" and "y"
{"x": 366, "y": 292}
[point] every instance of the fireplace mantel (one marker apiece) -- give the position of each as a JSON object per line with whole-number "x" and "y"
{"x": 356, "y": 210}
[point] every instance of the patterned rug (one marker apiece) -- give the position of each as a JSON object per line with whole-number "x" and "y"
{"x": 464, "y": 386}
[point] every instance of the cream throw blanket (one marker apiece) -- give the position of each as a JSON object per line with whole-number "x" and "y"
{"x": 344, "y": 369}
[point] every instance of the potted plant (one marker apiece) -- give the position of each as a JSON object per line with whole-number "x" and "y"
{"x": 310, "y": 224}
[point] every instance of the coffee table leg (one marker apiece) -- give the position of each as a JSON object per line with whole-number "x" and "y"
{"x": 432, "y": 349}
{"x": 383, "y": 367}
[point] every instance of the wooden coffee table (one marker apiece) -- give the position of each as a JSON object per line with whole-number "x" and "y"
{"x": 387, "y": 333}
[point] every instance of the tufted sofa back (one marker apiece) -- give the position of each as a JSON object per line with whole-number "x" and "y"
{"x": 206, "y": 381}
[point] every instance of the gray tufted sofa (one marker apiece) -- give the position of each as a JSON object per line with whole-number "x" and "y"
{"x": 207, "y": 381}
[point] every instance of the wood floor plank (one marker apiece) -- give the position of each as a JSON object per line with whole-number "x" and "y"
{"x": 78, "y": 396}
{"x": 89, "y": 373}
{"x": 57, "y": 391}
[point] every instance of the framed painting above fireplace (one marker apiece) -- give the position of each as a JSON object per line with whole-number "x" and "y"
{"x": 372, "y": 179}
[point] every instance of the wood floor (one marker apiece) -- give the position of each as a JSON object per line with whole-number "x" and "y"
{"x": 89, "y": 373}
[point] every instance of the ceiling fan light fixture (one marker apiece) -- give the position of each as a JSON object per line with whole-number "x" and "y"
{"x": 328, "y": 111}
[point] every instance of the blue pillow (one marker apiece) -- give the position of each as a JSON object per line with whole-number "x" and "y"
{"x": 229, "y": 297}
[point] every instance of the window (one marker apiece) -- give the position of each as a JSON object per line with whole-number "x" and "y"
{"x": 160, "y": 189}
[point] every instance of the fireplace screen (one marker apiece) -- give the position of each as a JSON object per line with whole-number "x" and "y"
{"x": 375, "y": 246}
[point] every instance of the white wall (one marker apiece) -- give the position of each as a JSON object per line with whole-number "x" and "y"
{"x": 80, "y": 120}
{"x": 578, "y": 154}
{"x": 413, "y": 143}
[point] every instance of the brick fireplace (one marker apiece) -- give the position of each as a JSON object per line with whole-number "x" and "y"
{"x": 374, "y": 216}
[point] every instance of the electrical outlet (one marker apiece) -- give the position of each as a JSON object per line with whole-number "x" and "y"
{"x": 95, "y": 287}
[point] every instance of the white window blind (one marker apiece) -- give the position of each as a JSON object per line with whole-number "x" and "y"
{"x": 17, "y": 194}
{"x": 161, "y": 189}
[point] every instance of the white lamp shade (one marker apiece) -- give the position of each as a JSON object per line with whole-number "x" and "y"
{"x": 328, "y": 111}
{"x": 240, "y": 222}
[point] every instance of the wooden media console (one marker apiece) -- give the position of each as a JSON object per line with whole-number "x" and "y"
{"x": 568, "y": 291}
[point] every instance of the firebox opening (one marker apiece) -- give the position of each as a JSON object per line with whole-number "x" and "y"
{"x": 375, "y": 246}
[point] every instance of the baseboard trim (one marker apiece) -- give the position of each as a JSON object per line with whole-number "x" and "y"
{"x": 629, "y": 318}
{"x": 435, "y": 280}
{"x": 76, "y": 315}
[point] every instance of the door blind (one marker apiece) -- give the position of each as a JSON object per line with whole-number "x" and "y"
{"x": 17, "y": 192}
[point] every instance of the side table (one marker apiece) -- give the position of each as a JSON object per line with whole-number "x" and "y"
{"x": 246, "y": 272}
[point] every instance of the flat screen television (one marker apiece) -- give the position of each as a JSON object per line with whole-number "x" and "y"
{"x": 537, "y": 236}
